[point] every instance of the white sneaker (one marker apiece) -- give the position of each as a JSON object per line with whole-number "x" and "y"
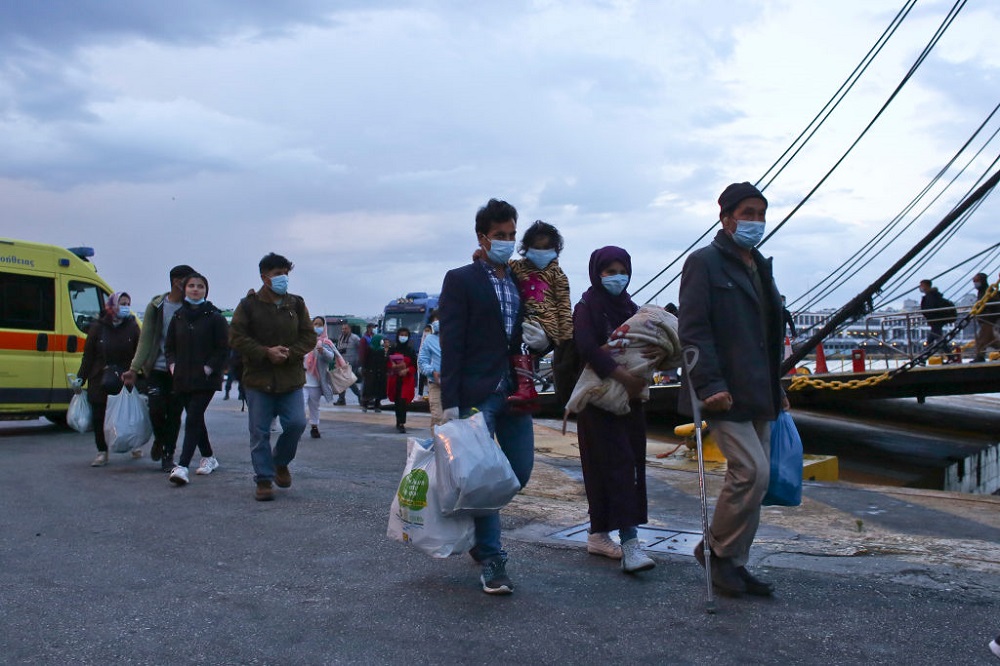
{"x": 179, "y": 475}
{"x": 995, "y": 646}
{"x": 207, "y": 466}
{"x": 633, "y": 559}
{"x": 599, "y": 543}
{"x": 101, "y": 460}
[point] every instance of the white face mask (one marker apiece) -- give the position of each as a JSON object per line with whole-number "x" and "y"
{"x": 403, "y": 338}
{"x": 319, "y": 330}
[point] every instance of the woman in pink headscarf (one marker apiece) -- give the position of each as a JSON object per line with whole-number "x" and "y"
{"x": 318, "y": 381}
{"x": 111, "y": 344}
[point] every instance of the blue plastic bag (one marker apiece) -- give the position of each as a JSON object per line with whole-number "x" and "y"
{"x": 785, "y": 488}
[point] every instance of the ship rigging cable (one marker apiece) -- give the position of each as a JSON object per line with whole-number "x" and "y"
{"x": 814, "y": 124}
{"x": 949, "y": 19}
{"x": 839, "y": 276}
{"x": 862, "y": 302}
{"x": 831, "y": 105}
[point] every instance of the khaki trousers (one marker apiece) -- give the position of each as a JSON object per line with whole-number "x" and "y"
{"x": 434, "y": 401}
{"x": 986, "y": 337}
{"x": 747, "y": 448}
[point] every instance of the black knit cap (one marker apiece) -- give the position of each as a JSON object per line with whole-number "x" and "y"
{"x": 735, "y": 193}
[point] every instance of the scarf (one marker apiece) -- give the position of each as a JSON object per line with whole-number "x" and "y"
{"x": 600, "y": 304}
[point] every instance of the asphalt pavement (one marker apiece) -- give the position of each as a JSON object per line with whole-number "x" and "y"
{"x": 116, "y": 565}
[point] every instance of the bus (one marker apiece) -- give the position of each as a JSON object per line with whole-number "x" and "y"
{"x": 412, "y": 311}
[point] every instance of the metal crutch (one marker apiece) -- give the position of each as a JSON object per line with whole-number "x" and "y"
{"x": 690, "y": 356}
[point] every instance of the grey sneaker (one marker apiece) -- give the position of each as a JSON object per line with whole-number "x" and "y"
{"x": 494, "y": 577}
{"x": 633, "y": 559}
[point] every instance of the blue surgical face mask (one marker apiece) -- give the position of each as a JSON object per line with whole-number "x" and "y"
{"x": 540, "y": 258}
{"x": 615, "y": 284}
{"x": 124, "y": 311}
{"x": 500, "y": 251}
{"x": 403, "y": 338}
{"x": 748, "y": 234}
{"x": 319, "y": 330}
{"x": 435, "y": 327}
{"x": 279, "y": 284}
{"x": 194, "y": 302}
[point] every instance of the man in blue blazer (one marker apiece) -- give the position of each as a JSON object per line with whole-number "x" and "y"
{"x": 481, "y": 317}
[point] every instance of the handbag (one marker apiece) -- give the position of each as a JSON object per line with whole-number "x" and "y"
{"x": 111, "y": 380}
{"x": 341, "y": 375}
{"x": 785, "y": 486}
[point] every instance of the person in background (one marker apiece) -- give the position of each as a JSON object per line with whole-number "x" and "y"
{"x": 612, "y": 447}
{"x": 111, "y": 343}
{"x": 150, "y": 362}
{"x": 318, "y": 382}
{"x": 373, "y": 387}
{"x": 273, "y": 332}
{"x": 986, "y": 321}
{"x": 347, "y": 345}
{"x": 401, "y": 372}
{"x": 730, "y": 312}
{"x": 481, "y": 316}
{"x": 234, "y": 370}
{"x": 196, "y": 348}
{"x": 422, "y": 378}
{"x": 429, "y": 362}
{"x": 932, "y": 300}
{"x": 787, "y": 320}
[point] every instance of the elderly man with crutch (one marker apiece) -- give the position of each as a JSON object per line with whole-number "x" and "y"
{"x": 730, "y": 313}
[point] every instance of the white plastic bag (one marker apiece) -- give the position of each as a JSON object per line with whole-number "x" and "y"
{"x": 126, "y": 423}
{"x": 415, "y": 517}
{"x": 79, "y": 416}
{"x": 474, "y": 475}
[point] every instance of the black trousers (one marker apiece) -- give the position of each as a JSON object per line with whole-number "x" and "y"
{"x": 165, "y": 409}
{"x": 195, "y": 431}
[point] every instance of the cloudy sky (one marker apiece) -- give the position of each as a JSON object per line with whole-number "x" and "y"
{"x": 359, "y": 138}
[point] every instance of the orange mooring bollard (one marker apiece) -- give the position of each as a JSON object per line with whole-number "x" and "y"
{"x": 821, "y": 360}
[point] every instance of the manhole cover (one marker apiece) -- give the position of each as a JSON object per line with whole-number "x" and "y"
{"x": 656, "y": 539}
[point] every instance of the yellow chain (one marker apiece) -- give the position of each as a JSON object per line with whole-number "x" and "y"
{"x": 800, "y": 382}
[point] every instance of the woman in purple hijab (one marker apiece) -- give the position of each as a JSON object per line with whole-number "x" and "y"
{"x": 612, "y": 447}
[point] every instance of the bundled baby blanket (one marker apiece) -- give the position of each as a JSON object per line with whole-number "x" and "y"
{"x": 651, "y": 328}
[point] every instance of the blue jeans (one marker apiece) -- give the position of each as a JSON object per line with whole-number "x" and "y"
{"x": 516, "y": 437}
{"x": 262, "y": 408}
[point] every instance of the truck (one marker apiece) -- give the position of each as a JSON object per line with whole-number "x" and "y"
{"x": 412, "y": 311}
{"x": 49, "y": 297}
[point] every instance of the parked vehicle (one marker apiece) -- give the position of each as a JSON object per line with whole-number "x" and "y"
{"x": 412, "y": 311}
{"x": 49, "y": 297}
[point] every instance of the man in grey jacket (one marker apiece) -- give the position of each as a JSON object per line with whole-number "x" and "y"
{"x": 730, "y": 310}
{"x": 347, "y": 345}
{"x": 150, "y": 361}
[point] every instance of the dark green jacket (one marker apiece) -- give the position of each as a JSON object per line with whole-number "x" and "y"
{"x": 258, "y": 325}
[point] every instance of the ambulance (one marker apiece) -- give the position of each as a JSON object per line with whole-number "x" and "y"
{"x": 49, "y": 297}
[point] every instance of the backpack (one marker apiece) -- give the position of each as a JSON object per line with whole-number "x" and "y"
{"x": 946, "y": 316}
